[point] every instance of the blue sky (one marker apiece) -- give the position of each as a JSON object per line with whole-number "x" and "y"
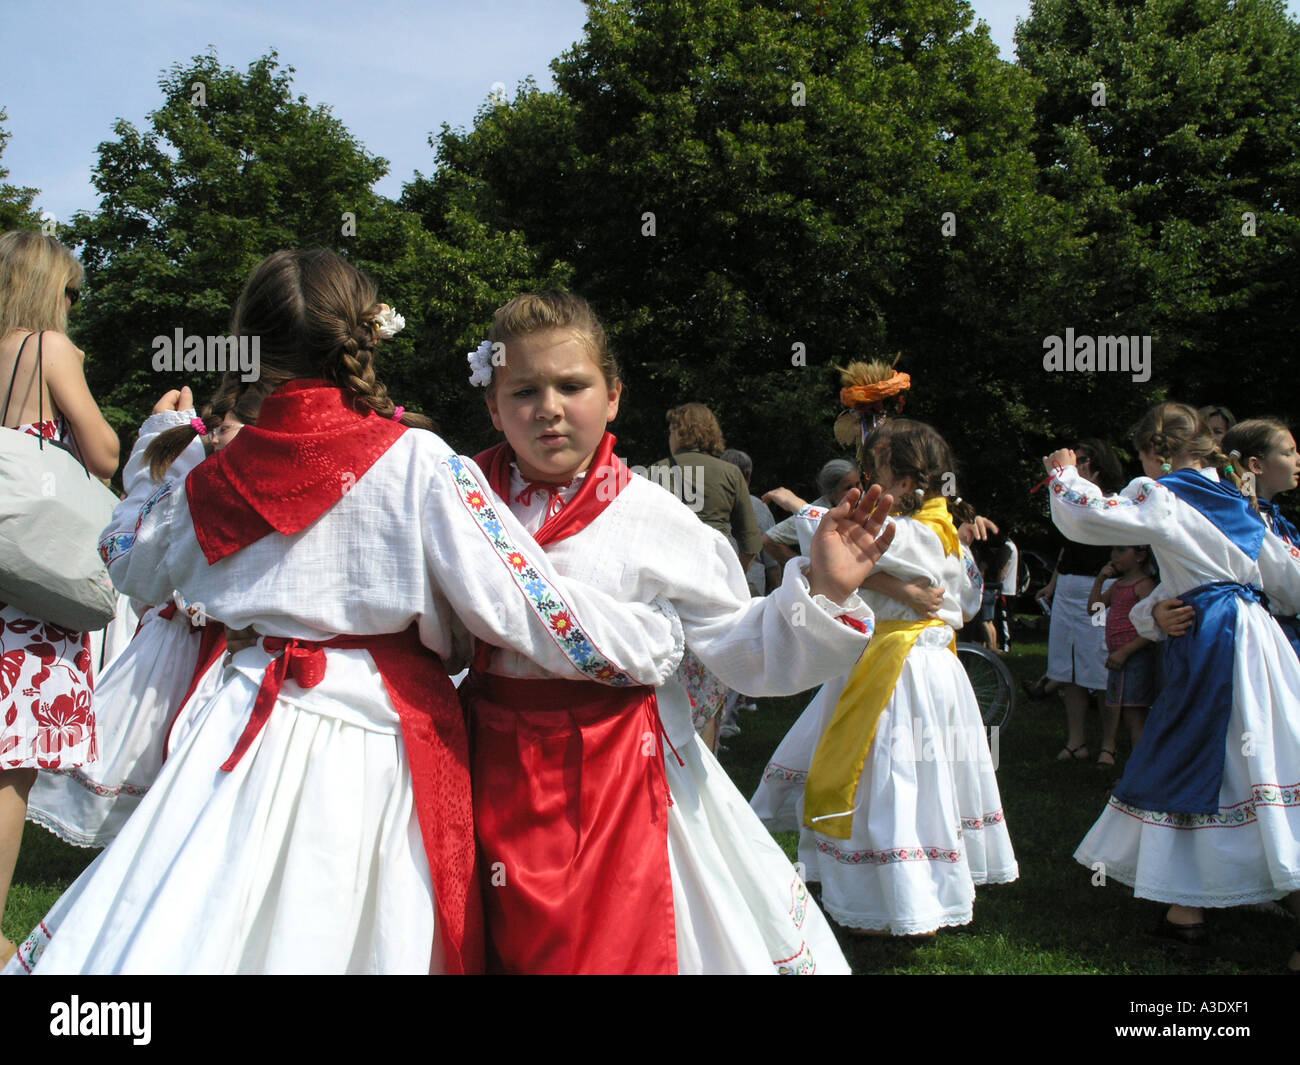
{"x": 393, "y": 72}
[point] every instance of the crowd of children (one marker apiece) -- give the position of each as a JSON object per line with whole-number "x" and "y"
{"x": 323, "y": 799}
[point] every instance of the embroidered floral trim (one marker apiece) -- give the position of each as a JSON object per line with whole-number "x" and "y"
{"x": 973, "y": 572}
{"x": 780, "y": 772}
{"x": 546, "y": 603}
{"x": 1082, "y": 499}
{"x": 800, "y": 964}
{"x": 114, "y": 547}
{"x": 987, "y": 821}
{"x": 798, "y": 902}
{"x": 1235, "y": 816}
{"x": 33, "y": 947}
{"x": 891, "y": 856}
{"x": 102, "y": 790}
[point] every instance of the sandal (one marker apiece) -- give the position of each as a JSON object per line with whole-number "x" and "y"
{"x": 1106, "y": 752}
{"x": 1073, "y": 754}
{"x": 1185, "y": 936}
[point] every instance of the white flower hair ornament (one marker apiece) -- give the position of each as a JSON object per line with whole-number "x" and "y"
{"x": 480, "y": 365}
{"x": 388, "y": 323}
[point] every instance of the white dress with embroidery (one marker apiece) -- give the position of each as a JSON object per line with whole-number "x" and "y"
{"x": 136, "y": 701}
{"x": 307, "y": 857}
{"x": 1248, "y": 851}
{"x": 740, "y": 906}
{"x": 928, "y": 823}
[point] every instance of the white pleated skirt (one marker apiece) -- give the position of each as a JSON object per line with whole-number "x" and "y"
{"x": 928, "y": 824}
{"x": 1249, "y": 850}
{"x": 740, "y": 905}
{"x": 305, "y": 858}
{"x": 135, "y": 702}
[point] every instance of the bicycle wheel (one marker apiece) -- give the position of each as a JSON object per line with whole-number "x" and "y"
{"x": 995, "y": 687}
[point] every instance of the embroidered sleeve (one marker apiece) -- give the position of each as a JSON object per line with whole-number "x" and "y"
{"x": 136, "y": 542}
{"x": 507, "y": 592}
{"x": 1087, "y": 515}
{"x": 805, "y": 525}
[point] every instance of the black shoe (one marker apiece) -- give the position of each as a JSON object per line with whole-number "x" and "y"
{"x": 1184, "y": 936}
{"x": 1035, "y": 691}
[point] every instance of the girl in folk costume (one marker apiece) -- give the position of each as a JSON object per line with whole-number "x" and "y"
{"x": 46, "y": 716}
{"x": 1269, "y": 467}
{"x": 611, "y": 849}
{"x": 317, "y": 815}
{"x": 887, "y": 774}
{"x": 1207, "y": 813}
{"x": 174, "y": 660}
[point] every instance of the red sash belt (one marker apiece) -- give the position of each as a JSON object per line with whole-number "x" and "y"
{"x": 570, "y": 806}
{"x": 433, "y": 729}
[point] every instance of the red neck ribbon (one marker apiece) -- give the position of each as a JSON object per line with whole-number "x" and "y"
{"x": 606, "y": 477}
{"x": 308, "y": 448}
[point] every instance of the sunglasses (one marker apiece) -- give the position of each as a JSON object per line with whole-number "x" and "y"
{"x": 74, "y": 294}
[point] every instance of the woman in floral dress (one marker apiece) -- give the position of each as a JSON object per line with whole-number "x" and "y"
{"x": 46, "y": 717}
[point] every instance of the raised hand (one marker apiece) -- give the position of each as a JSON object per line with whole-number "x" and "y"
{"x": 1063, "y": 456}
{"x": 176, "y": 399}
{"x": 848, "y": 542}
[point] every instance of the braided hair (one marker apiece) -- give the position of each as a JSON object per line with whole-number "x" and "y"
{"x": 1177, "y": 431}
{"x": 168, "y": 445}
{"x": 314, "y": 316}
{"x": 910, "y": 449}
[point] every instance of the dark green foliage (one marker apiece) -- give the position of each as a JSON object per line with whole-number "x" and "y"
{"x": 15, "y": 202}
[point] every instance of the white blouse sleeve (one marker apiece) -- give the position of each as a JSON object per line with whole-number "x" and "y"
{"x": 135, "y": 545}
{"x": 1086, "y": 515}
{"x": 504, "y": 589}
{"x": 1142, "y": 617}
{"x": 1279, "y": 568}
{"x": 784, "y": 643}
{"x": 971, "y": 595}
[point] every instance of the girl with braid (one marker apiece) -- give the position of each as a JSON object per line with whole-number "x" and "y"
{"x": 1207, "y": 814}
{"x": 316, "y": 817}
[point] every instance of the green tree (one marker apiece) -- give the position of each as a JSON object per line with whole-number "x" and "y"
{"x": 741, "y": 186}
{"x": 231, "y": 167}
{"x": 1173, "y": 127}
{"x": 15, "y": 202}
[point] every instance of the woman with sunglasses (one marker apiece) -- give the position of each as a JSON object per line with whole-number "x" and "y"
{"x": 45, "y": 685}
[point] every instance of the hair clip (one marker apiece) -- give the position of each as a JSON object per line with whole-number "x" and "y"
{"x": 1235, "y": 453}
{"x": 199, "y": 426}
{"x": 1228, "y": 468}
{"x": 397, "y": 413}
{"x": 1165, "y": 467}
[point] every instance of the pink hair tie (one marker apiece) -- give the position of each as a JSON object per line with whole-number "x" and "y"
{"x": 199, "y": 426}
{"x": 397, "y": 413}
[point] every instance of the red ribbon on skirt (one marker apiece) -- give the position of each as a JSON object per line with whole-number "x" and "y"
{"x": 570, "y": 805}
{"x": 437, "y": 746}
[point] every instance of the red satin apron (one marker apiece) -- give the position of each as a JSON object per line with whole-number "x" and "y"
{"x": 571, "y": 810}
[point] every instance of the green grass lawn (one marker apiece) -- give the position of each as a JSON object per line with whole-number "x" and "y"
{"x": 1050, "y": 921}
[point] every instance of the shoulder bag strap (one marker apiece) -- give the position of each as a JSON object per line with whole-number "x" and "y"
{"x": 14, "y": 376}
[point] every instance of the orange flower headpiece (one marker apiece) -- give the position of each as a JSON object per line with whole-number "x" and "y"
{"x": 867, "y": 386}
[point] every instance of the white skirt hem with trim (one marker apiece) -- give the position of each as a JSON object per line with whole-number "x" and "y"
{"x": 307, "y": 857}
{"x": 928, "y": 823}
